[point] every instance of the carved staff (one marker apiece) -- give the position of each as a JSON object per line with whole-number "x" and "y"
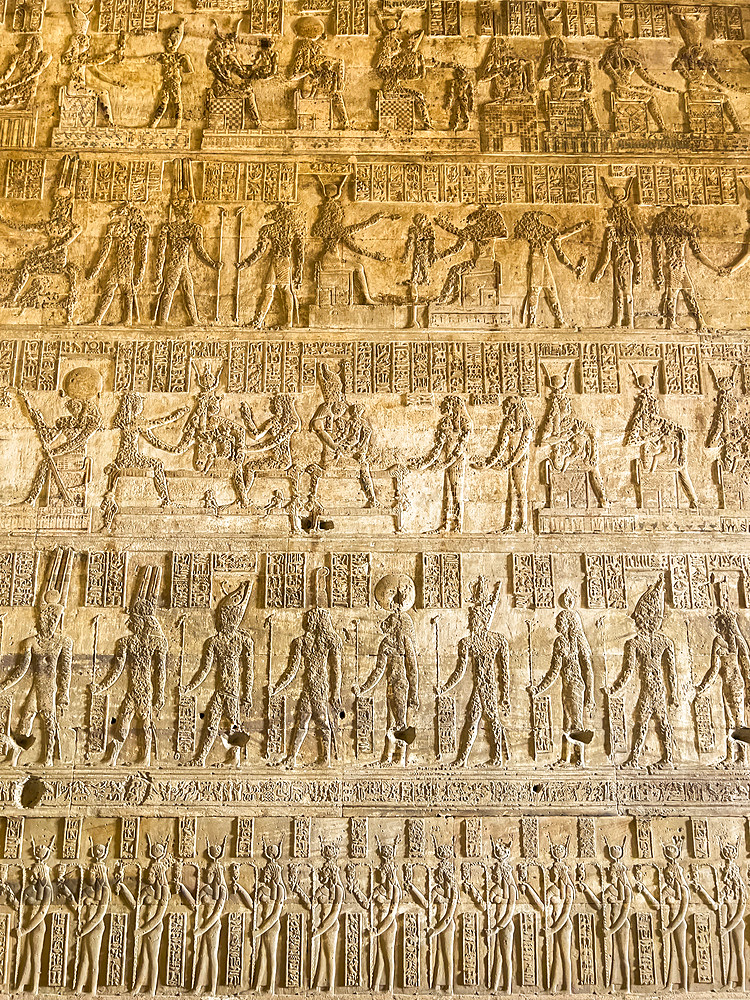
{"x": 705, "y": 735}
{"x": 93, "y": 699}
{"x": 39, "y": 427}
{"x": 222, "y": 213}
{"x": 445, "y": 705}
{"x": 239, "y": 213}
{"x": 615, "y": 710}
{"x": 268, "y": 623}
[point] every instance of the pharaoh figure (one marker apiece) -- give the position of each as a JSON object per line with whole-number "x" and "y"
{"x": 48, "y": 660}
{"x": 230, "y": 654}
{"x": 142, "y": 655}
{"x": 235, "y": 78}
{"x": 449, "y": 452}
{"x": 173, "y": 65}
{"x": 651, "y": 654}
{"x": 487, "y": 654}
{"x": 511, "y": 452}
{"x": 542, "y": 234}
{"x": 396, "y": 660}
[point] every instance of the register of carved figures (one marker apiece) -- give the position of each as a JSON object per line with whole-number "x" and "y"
{"x": 375, "y": 498}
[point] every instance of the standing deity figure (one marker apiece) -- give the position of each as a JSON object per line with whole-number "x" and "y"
{"x": 318, "y": 75}
{"x": 698, "y": 67}
{"x": 440, "y": 905}
{"x": 572, "y": 663}
{"x": 622, "y": 62}
{"x": 125, "y": 244}
{"x": 573, "y": 443}
{"x": 34, "y": 902}
{"x": 420, "y": 246}
{"x": 230, "y": 653}
{"x": 557, "y": 906}
{"x": 511, "y": 452}
{"x": 673, "y": 232}
{"x": 143, "y": 654}
{"x": 48, "y": 660}
{"x": 337, "y": 237}
{"x": 234, "y": 78}
{"x": 730, "y": 663}
{"x": 480, "y": 230}
{"x": 282, "y": 238}
{"x": 208, "y": 903}
{"x": 730, "y": 905}
{"x": 396, "y": 660}
{"x": 317, "y": 654}
{"x": 60, "y": 231}
{"x": 675, "y": 897}
{"x": 132, "y": 427}
{"x": 324, "y": 905}
{"x": 84, "y": 64}
{"x": 398, "y": 60}
{"x": 176, "y": 238}
{"x": 460, "y": 100}
{"x": 651, "y": 654}
{"x": 65, "y": 441}
{"x": 658, "y": 436}
{"x": 616, "y": 903}
{"x": 511, "y": 79}
{"x": 150, "y": 909}
{"x": 18, "y": 82}
{"x": 449, "y": 452}
{"x": 93, "y": 905}
{"x": 621, "y": 251}
{"x": 384, "y": 904}
{"x": 487, "y": 654}
{"x": 499, "y": 901}
{"x": 344, "y": 431}
{"x": 173, "y": 64}
{"x": 540, "y": 231}
{"x": 271, "y": 896}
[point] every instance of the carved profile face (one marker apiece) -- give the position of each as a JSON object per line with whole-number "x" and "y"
{"x": 49, "y": 615}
